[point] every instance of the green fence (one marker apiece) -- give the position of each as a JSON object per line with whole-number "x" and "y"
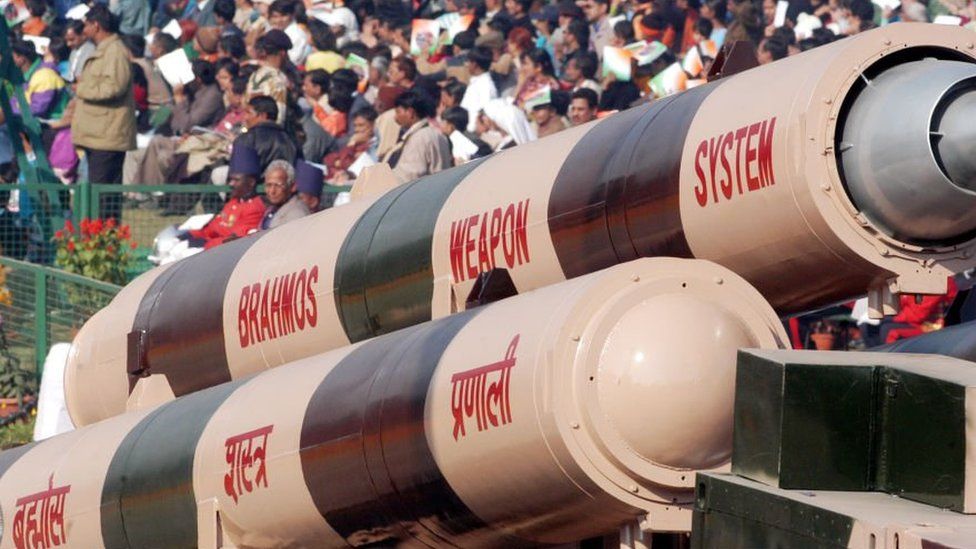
{"x": 35, "y": 211}
{"x": 43, "y": 306}
{"x": 31, "y": 213}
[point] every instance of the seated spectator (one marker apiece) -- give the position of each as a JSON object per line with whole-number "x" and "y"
{"x": 133, "y": 16}
{"x": 546, "y": 119}
{"x": 772, "y": 49}
{"x": 363, "y": 141}
{"x": 453, "y": 120}
{"x": 173, "y": 159}
{"x": 918, "y": 316}
{"x": 583, "y": 106}
{"x": 481, "y": 88}
{"x": 205, "y": 42}
{"x": 158, "y": 90}
{"x": 401, "y": 76}
{"x": 232, "y": 46}
{"x": 269, "y": 80}
{"x": 284, "y": 205}
{"x": 35, "y": 25}
{"x": 264, "y": 135}
{"x": 421, "y": 150}
{"x": 504, "y": 126}
{"x": 199, "y": 103}
{"x": 224, "y": 13}
{"x": 317, "y": 140}
{"x": 324, "y": 57}
{"x": 451, "y": 94}
{"x": 309, "y": 181}
{"x": 244, "y": 210}
{"x": 281, "y": 16}
{"x": 576, "y": 39}
{"x": 536, "y": 73}
{"x": 580, "y": 72}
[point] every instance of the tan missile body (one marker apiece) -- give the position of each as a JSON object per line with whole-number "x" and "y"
{"x": 544, "y": 418}
{"x": 746, "y": 172}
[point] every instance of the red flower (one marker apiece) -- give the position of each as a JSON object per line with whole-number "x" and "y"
{"x": 110, "y": 224}
{"x": 71, "y": 245}
{"x": 85, "y": 226}
{"x": 133, "y": 245}
{"x": 96, "y": 226}
{"x": 125, "y": 233}
{"x": 59, "y": 234}
{"x": 69, "y": 226}
{"x": 110, "y": 249}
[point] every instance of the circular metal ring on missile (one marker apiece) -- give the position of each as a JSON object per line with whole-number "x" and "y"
{"x": 654, "y": 371}
{"x": 905, "y": 156}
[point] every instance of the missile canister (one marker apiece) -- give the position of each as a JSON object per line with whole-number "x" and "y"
{"x": 797, "y": 175}
{"x": 545, "y": 418}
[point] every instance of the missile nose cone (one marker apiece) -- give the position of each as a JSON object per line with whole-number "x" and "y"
{"x": 651, "y": 395}
{"x": 954, "y": 138}
{"x": 666, "y": 380}
{"x": 906, "y": 151}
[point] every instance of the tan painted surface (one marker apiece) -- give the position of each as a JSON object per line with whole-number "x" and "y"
{"x": 497, "y": 184}
{"x": 804, "y": 225}
{"x": 305, "y": 243}
{"x": 583, "y": 475}
{"x": 282, "y": 513}
{"x": 95, "y": 380}
{"x": 79, "y": 459}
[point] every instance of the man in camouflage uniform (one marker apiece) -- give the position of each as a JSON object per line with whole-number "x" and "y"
{"x": 269, "y": 80}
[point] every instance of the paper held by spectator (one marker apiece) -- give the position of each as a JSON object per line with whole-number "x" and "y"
{"x": 951, "y": 20}
{"x": 780, "y": 18}
{"x": 646, "y": 53}
{"x": 708, "y": 49}
{"x": 41, "y": 43}
{"x": 14, "y": 13}
{"x": 692, "y": 63}
{"x": 173, "y": 29}
{"x": 805, "y": 25}
{"x": 176, "y": 68}
{"x": 671, "y": 80}
{"x": 364, "y": 161}
{"x": 541, "y": 97}
{"x": 454, "y": 23}
{"x": 887, "y": 4}
{"x": 424, "y": 36}
{"x": 358, "y": 65}
{"x": 618, "y": 62}
{"x": 78, "y": 12}
{"x": 461, "y": 146}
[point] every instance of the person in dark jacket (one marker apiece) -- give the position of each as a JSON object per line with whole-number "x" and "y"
{"x": 264, "y": 135}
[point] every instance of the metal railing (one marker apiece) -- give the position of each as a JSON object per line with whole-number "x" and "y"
{"x": 46, "y": 306}
{"x": 28, "y": 223}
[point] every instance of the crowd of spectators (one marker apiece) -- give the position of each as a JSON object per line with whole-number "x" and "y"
{"x": 295, "y": 94}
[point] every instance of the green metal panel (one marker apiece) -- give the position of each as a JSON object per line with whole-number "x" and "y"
{"x": 47, "y": 306}
{"x": 40, "y": 314}
{"x": 883, "y": 422}
{"x": 924, "y": 439}
{"x": 729, "y": 514}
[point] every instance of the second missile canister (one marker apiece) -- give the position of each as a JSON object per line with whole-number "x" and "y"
{"x": 796, "y": 175}
{"x": 550, "y": 417}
